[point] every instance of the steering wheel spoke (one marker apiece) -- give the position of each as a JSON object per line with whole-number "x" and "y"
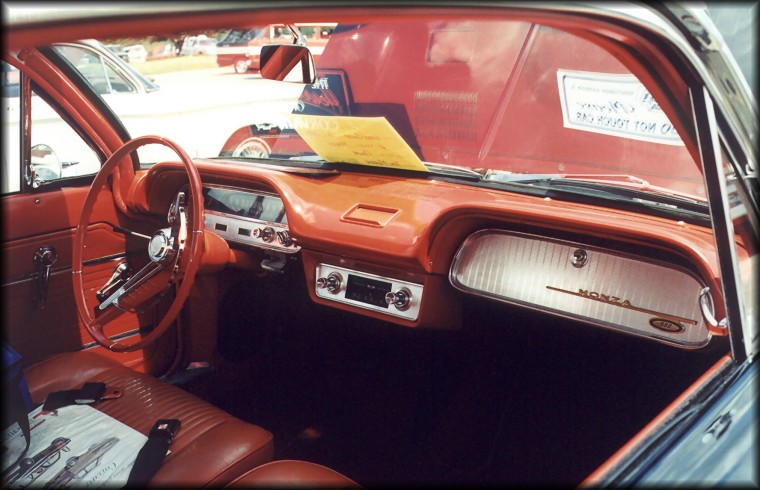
{"x": 174, "y": 254}
{"x": 105, "y": 316}
{"x": 146, "y": 282}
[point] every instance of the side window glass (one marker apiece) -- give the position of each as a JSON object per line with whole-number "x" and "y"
{"x": 11, "y": 177}
{"x": 57, "y": 151}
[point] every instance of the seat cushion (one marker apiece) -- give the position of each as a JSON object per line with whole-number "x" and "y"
{"x": 292, "y": 473}
{"x": 211, "y": 448}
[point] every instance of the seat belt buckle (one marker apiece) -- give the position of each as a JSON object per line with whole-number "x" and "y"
{"x": 165, "y": 427}
{"x": 112, "y": 393}
{"x": 90, "y": 393}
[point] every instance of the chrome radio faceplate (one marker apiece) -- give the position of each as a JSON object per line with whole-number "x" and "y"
{"x": 369, "y": 291}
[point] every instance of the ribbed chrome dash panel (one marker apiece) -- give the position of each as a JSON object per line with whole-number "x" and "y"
{"x": 606, "y": 288}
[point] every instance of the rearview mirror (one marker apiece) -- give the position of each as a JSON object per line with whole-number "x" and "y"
{"x": 287, "y": 62}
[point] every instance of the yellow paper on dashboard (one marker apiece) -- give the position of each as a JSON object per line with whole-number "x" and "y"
{"x": 358, "y": 140}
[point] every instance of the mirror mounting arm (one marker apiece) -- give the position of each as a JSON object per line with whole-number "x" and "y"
{"x": 300, "y": 40}
{"x": 30, "y": 176}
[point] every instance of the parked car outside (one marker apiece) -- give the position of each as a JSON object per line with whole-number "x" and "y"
{"x": 198, "y": 45}
{"x": 118, "y": 50}
{"x": 136, "y": 53}
{"x": 510, "y": 244}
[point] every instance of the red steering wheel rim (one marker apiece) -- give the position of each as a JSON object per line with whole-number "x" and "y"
{"x": 190, "y": 259}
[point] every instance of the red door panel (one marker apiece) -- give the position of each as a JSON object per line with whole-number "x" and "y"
{"x": 50, "y": 220}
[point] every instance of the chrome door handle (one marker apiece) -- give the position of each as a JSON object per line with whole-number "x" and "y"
{"x": 43, "y": 259}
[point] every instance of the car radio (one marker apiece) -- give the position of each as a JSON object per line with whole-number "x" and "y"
{"x": 369, "y": 291}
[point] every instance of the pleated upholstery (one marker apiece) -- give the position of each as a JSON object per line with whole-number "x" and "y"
{"x": 211, "y": 448}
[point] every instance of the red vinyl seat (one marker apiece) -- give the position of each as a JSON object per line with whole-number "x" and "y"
{"x": 292, "y": 473}
{"x": 212, "y": 447}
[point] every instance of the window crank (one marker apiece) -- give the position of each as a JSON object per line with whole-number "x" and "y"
{"x": 120, "y": 275}
{"x": 43, "y": 259}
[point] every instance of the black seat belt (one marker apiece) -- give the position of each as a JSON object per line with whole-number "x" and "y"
{"x": 154, "y": 451}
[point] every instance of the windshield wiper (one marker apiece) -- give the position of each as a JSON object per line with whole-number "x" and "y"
{"x": 617, "y": 187}
{"x": 315, "y": 166}
{"x": 316, "y": 162}
{"x": 455, "y": 171}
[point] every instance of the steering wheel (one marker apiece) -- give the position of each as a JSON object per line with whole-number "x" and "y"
{"x": 175, "y": 254}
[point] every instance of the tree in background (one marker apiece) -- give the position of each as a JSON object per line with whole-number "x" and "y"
{"x": 176, "y": 39}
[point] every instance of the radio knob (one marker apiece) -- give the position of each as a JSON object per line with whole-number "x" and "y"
{"x": 283, "y": 237}
{"x": 266, "y": 234}
{"x": 401, "y": 299}
{"x": 332, "y": 282}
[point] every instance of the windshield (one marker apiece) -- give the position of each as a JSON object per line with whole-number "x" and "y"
{"x": 499, "y": 98}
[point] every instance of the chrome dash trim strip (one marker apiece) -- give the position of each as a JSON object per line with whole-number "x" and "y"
{"x": 115, "y": 338}
{"x": 61, "y": 270}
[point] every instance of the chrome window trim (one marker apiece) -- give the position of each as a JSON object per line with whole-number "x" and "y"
{"x": 744, "y": 343}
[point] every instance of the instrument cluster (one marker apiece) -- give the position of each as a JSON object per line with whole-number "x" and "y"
{"x": 253, "y": 218}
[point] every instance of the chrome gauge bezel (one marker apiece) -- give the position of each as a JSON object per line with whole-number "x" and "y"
{"x": 241, "y": 229}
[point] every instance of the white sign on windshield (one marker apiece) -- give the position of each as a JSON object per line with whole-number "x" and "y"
{"x": 616, "y": 105}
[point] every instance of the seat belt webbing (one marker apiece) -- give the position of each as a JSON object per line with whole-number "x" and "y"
{"x": 154, "y": 451}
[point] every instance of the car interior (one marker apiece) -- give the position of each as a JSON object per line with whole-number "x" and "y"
{"x": 323, "y": 324}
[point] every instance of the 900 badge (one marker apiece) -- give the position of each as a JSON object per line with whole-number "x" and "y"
{"x": 666, "y": 325}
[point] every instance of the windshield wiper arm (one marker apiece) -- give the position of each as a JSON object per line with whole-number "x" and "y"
{"x": 290, "y": 165}
{"x": 625, "y": 186}
{"x": 455, "y": 171}
{"x": 504, "y": 176}
{"x": 613, "y": 181}
{"x": 626, "y": 190}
